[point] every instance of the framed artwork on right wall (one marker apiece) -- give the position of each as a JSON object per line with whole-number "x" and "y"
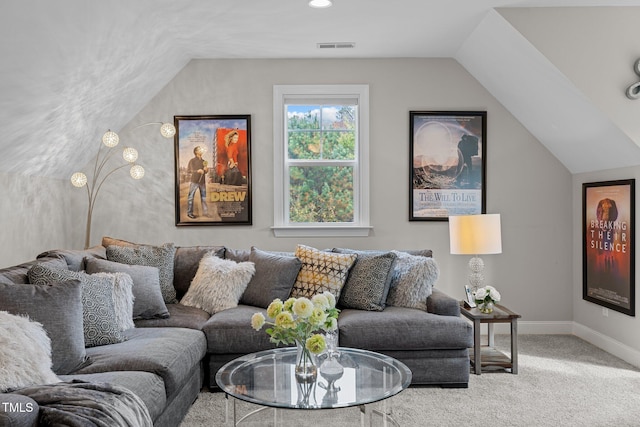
{"x": 608, "y": 260}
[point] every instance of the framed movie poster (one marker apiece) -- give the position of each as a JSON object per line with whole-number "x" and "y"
{"x": 608, "y": 224}
{"x": 213, "y": 170}
{"x": 447, "y": 164}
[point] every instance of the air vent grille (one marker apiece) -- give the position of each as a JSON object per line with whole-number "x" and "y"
{"x": 338, "y": 45}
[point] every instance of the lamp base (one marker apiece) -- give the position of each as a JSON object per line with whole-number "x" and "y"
{"x": 476, "y": 274}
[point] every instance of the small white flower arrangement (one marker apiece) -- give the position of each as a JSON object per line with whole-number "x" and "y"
{"x": 486, "y": 297}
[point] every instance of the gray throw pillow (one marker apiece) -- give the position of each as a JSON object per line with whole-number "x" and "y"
{"x": 59, "y": 309}
{"x": 155, "y": 256}
{"x": 148, "y": 302}
{"x": 99, "y": 318}
{"x": 413, "y": 280}
{"x": 369, "y": 279}
{"x": 274, "y": 278}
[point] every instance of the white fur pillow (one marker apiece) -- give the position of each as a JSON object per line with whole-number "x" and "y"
{"x": 412, "y": 280}
{"x": 25, "y": 353}
{"x": 122, "y": 298}
{"x": 218, "y": 284}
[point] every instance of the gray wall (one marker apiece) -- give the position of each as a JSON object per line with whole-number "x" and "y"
{"x": 525, "y": 183}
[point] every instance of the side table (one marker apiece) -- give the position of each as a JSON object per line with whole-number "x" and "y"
{"x": 484, "y": 356}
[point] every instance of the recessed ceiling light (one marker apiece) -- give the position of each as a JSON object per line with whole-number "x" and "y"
{"x": 320, "y": 4}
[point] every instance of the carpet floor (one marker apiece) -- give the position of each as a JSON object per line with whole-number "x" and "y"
{"x": 562, "y": 381}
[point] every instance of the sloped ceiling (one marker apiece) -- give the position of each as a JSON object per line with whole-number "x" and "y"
{"x": 72, "y": 69}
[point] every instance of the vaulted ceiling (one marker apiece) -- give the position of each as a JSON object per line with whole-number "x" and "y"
{"x": 72, "y": 68}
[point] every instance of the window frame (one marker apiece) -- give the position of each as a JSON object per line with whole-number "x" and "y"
{"x": 360, "y": 226}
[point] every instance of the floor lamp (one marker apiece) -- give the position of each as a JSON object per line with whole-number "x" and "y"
{"x": 475, "y": 235}
{"x": 110, "y": 140}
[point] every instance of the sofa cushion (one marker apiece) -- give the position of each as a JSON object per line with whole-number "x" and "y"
{"x": 186, "y": 262}
{"x": 321, "y": 271}
{"x": 168, "y": 352}
{"x": 369, "y": 280}
{"x": 274, "y": 278}
{"x": 59, "y": 309}
{"x": 219, "y": 284}
{"x": 18, "y": 273}
{"x": 413, "y": 280}
{"x": 25, "y": 353}
{"x": 99, "y": 318}
{"x": 180, "y": 316}
{"x": 75, "y": 259}
{"x": 147, "y": 386}
{"x": 139, "y": 254}
{"x": 402, "y": 328}
{"x": 230, "y": 332}
{"x": 148, "y": 302}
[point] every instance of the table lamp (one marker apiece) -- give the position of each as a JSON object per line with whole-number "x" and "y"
{"x": 475, "y": 235}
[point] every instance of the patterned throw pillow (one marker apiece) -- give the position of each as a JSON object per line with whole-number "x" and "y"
{"x": 412, "y": 281}
{"x": 321, "y": 271}
{"x": 369, "y": 280}
{"x": 98, "y": 309}
{"x": 155, "y": 256}
{"x": 218, "y": 284}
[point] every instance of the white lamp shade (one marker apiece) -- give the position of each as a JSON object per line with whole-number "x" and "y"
{"x": 167, "y": 130}
{"x": 136, "y": 172}
{"x": 475, "y": 234}
{"x": 79, "y": 179}
{"x": 130, "y": 154}
{"x": 110, "y": 138}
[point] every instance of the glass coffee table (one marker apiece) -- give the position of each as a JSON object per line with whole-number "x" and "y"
{"x": 267, "y": 379}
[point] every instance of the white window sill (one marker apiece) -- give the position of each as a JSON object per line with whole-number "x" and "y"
{"x": 321, "y": 231}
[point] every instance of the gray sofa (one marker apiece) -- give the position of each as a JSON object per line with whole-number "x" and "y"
{"x": 166, "y": 361}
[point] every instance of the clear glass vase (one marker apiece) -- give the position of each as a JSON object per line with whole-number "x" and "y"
{"x": 306, "y": 365}
{"x": 486, "y": 307}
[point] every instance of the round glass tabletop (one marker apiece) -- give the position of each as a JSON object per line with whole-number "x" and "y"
{"x": 267, "y": 378}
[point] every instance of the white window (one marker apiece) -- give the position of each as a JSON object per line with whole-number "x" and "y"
{"x": 321, "y": 160}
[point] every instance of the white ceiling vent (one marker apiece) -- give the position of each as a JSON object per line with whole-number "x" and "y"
{"x": 338, "y": 45}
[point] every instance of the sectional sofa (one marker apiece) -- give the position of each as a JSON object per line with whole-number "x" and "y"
{"x": 176, "y": 346}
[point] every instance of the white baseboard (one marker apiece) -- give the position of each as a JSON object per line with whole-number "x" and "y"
{"x": 615, "y": 347}
{"x": 610, "y": 345}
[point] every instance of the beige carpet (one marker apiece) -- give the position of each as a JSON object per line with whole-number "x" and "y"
{"x": 562, "y": 381}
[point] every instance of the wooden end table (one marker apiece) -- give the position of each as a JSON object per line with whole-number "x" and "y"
{"x": 484, "y": 356}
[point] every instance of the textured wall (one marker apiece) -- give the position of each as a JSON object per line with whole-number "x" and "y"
{"x": 35, "y": 216}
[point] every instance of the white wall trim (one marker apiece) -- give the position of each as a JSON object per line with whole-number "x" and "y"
{"x": 608, "y": 344}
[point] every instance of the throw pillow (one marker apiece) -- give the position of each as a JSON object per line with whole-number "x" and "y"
{"x": 25, "y": 353}
{"x": 218, "y": 284}
{"x": 122, "y": 294}
{"x": 185, "y": 265}
{"x": 147, "y": 302}
{"x": 155, "y": 256}
{"x": 369, "y": 280}
{"x": 98, "y": 309}
{"x": 321, "y": 271}
{"x": 412, "y": 281}
{"x": 274, "y": 278}
{"x": 59, "y": 309}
